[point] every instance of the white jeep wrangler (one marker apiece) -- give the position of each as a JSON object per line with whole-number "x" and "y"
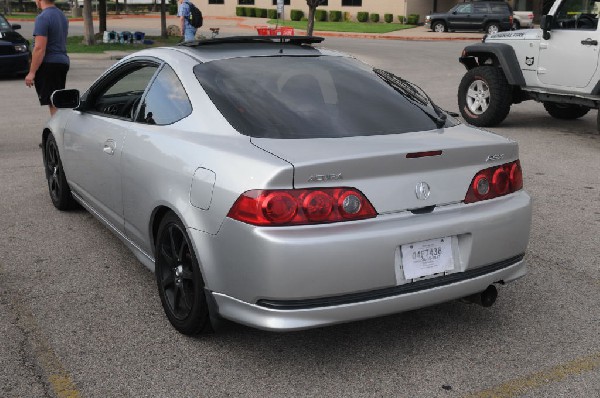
{"x": 556, "y": 65}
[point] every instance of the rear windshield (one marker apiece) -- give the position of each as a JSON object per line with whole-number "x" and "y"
{"x": 307, "y": 97}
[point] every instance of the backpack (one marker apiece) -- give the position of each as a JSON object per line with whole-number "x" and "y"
{"x": 195, "y": 16}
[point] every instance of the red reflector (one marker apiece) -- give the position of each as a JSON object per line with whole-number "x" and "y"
{"x": 301, "y": 206}
{"x": 422, "y": 154}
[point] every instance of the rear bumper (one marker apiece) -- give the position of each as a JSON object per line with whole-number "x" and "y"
{"x": 305, "y": 276}
{"x": 266, "y": 318}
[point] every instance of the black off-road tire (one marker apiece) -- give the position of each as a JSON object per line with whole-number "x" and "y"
{"x": 178, "y": 278}
{"x": 484, "y": 96}
{"x": 565, "y": 111}
{"x": 60, "y": 192}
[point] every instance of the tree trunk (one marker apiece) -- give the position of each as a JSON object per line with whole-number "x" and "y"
{"x": 101, "y": 16}
{"x": 88, "y": 23}
{"x": 125, "y": 6}
{"x": 311, "y": 20}
{"x": 163, "y": 19}
{"x": 117, "y": 7}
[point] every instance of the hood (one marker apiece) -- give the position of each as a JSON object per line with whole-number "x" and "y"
{"x": 382, "y": 169}
{"x": 11, "y": 37}
{"x": 522, "y": 34}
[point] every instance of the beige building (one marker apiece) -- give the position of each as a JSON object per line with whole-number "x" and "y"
{"x": 394, "y": 7}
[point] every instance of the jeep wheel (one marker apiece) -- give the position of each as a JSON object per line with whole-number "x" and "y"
{"x": 439, "y": 27}
{"x": 516, "y": 25}
{"x": 492, "y": 28}
{"x": 565, "y": 111}
{"x": 484, "y": 96}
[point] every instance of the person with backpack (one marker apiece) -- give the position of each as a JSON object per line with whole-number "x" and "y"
{"x": 190, "y": 19}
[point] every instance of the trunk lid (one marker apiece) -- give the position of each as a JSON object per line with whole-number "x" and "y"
{"x": 378, "y": 165}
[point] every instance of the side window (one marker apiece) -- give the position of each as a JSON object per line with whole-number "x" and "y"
{"x": 464, "y": 9}
{"x": 577, "y": 14}
{"x": 119, "y": 98}
{"x": 500, "y": 9}
{"x": 479, "y": 8}
{"x": 166, "y": 101}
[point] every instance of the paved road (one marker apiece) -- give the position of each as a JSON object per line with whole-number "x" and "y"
{"x": 79, "y": 316}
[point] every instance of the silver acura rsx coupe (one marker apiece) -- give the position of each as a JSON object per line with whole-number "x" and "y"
{"x": 283, "y": 186}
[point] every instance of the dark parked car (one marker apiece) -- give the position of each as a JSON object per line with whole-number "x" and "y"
{"x": 14, "y": 49}
{"x": 490, "y": 16}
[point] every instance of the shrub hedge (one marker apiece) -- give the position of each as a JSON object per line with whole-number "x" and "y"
{"x": 362, "y": 16}
{"x": 388, "y": 18}
{"x": 374, "y": 17}
{"x": 320, "y": 15}
{"x": 296, "y": 15}
{"x": 335, "y": 16}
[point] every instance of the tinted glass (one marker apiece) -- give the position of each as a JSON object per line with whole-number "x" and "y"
{"x": 4, "y": 25}
{"x": 480, "y": 8}
{"x": 464, "y": 9}
{"x": 305, "y": 97}
{"x": 166, "y": 101}
{"x": 577, "y": 15}
{"x": 119, "y": 97}
{"x": 500, "y": 8}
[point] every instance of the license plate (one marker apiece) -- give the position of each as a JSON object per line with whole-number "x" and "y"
{"x": 427, "y": 258}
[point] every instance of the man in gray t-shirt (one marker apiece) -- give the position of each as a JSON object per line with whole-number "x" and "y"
{"x": 49, "y": 62}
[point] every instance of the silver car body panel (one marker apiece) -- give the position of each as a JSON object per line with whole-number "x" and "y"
{"x": 297, "y": 262}
{"x": 197, "y": 167}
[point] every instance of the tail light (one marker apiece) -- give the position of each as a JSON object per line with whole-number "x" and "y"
{"x": 510, "y": 19}
{"x": 301, "y": 206}
{"x": 495, "y": 181}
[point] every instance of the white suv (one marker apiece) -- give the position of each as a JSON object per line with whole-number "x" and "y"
{"x": 556, "y": 65}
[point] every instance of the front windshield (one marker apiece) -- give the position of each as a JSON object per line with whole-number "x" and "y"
{"x": 308, "y": 97}
{"x": 4, "y": 25}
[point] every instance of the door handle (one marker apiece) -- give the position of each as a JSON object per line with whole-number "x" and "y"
{"x": 109, "y": 147}
{"x": 589, "y": 42}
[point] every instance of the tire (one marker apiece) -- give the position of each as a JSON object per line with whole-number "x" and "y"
{"x": 178, "y": 277}
{"x": 60, "y": 192}
{"x": 484, "y": 96}
{"x": 516, "y": 25}
{"x": 439, "y": 27}
{"x": 565, "y": 111}
{"x": 492, "y": 28}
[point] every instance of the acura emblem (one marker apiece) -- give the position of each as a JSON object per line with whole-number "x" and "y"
{"x": 422, "y": 190}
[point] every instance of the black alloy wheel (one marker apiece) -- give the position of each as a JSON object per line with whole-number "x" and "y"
{"x": 180, "y": 284}
{"x": 59, "y": 190}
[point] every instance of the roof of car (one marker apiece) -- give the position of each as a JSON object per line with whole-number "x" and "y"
{"x": 253, "y": 46}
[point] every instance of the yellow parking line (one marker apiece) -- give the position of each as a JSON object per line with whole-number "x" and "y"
{"x": 520, "y": 386}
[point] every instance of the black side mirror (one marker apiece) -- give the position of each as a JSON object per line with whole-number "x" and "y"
{"x": 546, "y": 25}
{"x": 67, "y": 99}
{"x": 15, "y": 26}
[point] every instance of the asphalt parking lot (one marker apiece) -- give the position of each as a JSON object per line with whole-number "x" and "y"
{"x": 79, "y": 316}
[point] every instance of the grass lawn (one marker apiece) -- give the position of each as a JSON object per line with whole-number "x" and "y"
{"x": 355, "y": 27}
{"x": 75, "y": 45}
{"x": 18, "y": 16}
